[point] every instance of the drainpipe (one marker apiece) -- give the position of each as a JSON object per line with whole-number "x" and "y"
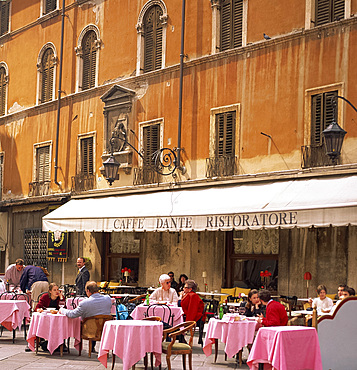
{"x": 59, "y": 92}
{"x": 178, "y": 164}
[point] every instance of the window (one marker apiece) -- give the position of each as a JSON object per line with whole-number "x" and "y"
{"x": 225, "y": 129}
{"x": 35, "y": 247}
{"x": 43, "y": 163}
{"x": 87, "y": 58}
{"x": 47, "y": 69}
{"x": 3, "y": 90}
{"x": 151, "y": 143}
{"x": 1, "y": 174}
{"x": 329, "y": 11}
{"x": 87, "y": 156}
{"x": 231, "y": 24}
{"x": 4, "y": 17}
{"x": 49, "y": 6}
{"x": 151, "y": 28}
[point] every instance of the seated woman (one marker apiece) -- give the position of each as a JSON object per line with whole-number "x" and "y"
{"x": 181, "y": 284}
{"x": 50, "y": 299}
{"x": 253, "y": 307}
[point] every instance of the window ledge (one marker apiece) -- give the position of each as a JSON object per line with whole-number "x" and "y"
{"x": 46, "y": 17}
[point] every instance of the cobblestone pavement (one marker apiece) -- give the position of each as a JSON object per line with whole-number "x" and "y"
{"x": 13, "y": 356}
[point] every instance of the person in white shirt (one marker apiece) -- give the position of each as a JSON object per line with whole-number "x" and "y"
{"x": 322, "y": 303}
{"x": 165, "y": 293}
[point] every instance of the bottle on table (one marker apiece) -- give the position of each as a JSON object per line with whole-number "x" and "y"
{"x": 220, "y": 311}
{"x": 147, "y": 298}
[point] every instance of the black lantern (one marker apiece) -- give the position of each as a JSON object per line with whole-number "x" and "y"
{"x": 111, "y": 167}
{"x": 333, "y": 137}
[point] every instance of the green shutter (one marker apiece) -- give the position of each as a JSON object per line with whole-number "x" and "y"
{"x": 329, "y": 11}
{"x": 87, "y": 167}
{"x": 89, "y": 60}
{"x": 47, "y": 68}
{"x": 151, "y": 143}
{"x": 50, "y": 5}
{"x": 2, "y": 91}
{"x": 43, "y": 163}
{"x": 4, "y": 17}
{"x": 231, "y": 24}
{"x": 225, "y": 134}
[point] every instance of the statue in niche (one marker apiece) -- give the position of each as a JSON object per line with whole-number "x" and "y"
{"x": 119, "y": 134}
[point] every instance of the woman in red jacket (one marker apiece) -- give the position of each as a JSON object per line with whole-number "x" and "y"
{"x": 50, "y": 299}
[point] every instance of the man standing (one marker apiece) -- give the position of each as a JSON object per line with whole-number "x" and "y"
{"x": 82, "y": 277}
{"x": 34, "y": 279}
{"x": 275, "y": 312}
{"x": 13, "y": 273}
{"x": 165, "y": 293}
{"x": 172, "y": 279}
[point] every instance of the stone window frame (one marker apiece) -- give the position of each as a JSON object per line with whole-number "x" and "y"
{"x": 35, "y": 148}
{"x": 143, "y": 124}
{"x": 79, "y": 53}
{"x": 44, "y": 48}
{"x": 80, "y": 137}
{"x": 216, "y": 25}
{"x": 5, "y": 66}
{"x": 310, "y": 12}
{"x": 140, "y": 34}
{"x": 212, "y": 137}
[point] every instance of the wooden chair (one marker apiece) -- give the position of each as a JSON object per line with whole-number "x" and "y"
{"x": 139, "y": 298}
{"x": 91, "y": 329}
{"x": 174, "y": 348}
{"x": 102, "y": 285}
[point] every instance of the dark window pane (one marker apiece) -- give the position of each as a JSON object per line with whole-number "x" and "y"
{"x": 89, "y": 60}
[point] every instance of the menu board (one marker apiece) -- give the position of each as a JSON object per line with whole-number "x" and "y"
{"x": 57, "y": 246}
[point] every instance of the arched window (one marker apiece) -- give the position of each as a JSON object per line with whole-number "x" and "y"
{"x": 3, "y": 90}
{"x": 47, "y": 69}
{"x": 89, "y": 60}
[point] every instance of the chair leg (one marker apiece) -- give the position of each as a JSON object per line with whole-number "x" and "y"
{"x": 25, "y": 335}
{"x": 37, "y": 344}
{"x": 184, "y": 361}
{"x": 146, "y": 361}
{"x": 113, "y": 361}
{"x": 68, "y": 346}
{"x": 190, "y": 361}
{"x": 215, "y": 349}
{"x": 168, "y": 362}
{"x": 61, "y": 350}
{"x": 152, "y": 360}
{"x": 13, "y": 336}
{"x": 240, "y": 353}
{"x": 90, "y": 348}
{"x": 80, "y": 347}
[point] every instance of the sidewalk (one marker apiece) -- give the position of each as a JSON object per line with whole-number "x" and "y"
{"x": 13, "y": 356}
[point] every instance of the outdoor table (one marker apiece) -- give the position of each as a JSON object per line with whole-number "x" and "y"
{"x": 177, "y": 312}
{"x": 130, "y": 340}
{"x": 72, "y": 303}
{"x": 55, "y": 328}
{"x": 286, "y": 348}
{"x": 13, "y": 313}
{"x": 235, "y": 335}
{"x": 213, "y": 294}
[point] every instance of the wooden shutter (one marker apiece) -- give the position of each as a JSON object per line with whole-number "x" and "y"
{"x": 47, "y": 69}
{"x": 321, "y": 115}
{"x": 89, "y": 60}
{"x": 329, "y": 11}
{"x": 1, "y": 174}
{"x": 4, "y": 17}
{"x": 87, "y": 156}
{"x": 151, "y": 142}
{"x": 153, "y": 39}
{"x": 231, "y": 24}
{"x": 50, "y": 5}
{"x": 2, "y": 91}
{"x": 225, "y": 134}
{"x": 43, "y": 163}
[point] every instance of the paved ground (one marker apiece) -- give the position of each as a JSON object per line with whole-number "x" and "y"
{"x": 13, "y": 356}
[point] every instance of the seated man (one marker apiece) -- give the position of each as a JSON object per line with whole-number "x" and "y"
{"x": 275, "y": 312}
{"x": 165, "y": 292}
{"x": 96, "y": 304}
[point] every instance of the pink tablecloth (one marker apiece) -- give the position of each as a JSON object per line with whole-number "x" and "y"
{"x": 235, "y": 335}
{"x": 54, "y": 328}
{"x": 13, "y": 312}
{"x": 286, "y": 348}
{"x": 140, "y": 311}
{"x": 72, "y": 303}
{"x": 130, "y": 340}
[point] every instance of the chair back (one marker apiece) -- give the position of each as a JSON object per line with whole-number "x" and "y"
{"x": 92, "y": 327}
{"x": 152, "y": 318}
{"x": 163, "y": 311}
{"x": 211, "y": 307}
{"x": 8, "y": 295}
{"x": 22, "y": 296}
{"x": 75, "y": 302}
{"x": 179, "y": 329}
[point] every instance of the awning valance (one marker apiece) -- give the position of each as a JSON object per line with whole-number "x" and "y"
{"x": 290, "y": 203}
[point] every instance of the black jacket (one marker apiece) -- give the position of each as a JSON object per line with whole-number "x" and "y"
{"x": 81, "y": 281}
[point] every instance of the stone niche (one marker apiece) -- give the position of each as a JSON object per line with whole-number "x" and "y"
{"x": 118, "y": 121}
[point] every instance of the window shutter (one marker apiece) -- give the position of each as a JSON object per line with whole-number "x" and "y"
{"x": 231, "y": 24}
{"x": 328, "y": 108}
{"x": 50, "y": 5}
{"x": 338, "y": 10}
{"x": 2, "y": 91}
{"x": 151, "y": 143}
{"x": 225, "y": 134}
{"x": 43, "y": 163}
{"x": 87, "y": 156}
{"x": 153, "y": 39}
{"x": 89, "y": 60}
{"x": 329, "y": 11}
{"x": 4, "y": 17}
{"x": 47, "y": 68}
{"x": 1, "y": 174}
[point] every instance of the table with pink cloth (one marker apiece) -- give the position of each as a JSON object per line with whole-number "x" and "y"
{"x": 177, "y": 312}
{"x": 55, "y": 328}
{"x": 72, "y": 303}
{"x": 286, "y": 348}
{"x": 235, "y": 335}
{"x": 131, "y": 340}
{"x": 12, "y": 313}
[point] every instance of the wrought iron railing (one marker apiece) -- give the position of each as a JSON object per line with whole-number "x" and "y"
{"x": 315, "y": 156}
{"x": 144, "y": 175}
{"x": 221, "y": 166}
{"x": 39, "y": 188}
{"x": 82, "y": 182}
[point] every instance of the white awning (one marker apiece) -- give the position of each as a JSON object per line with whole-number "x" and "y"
{"x": 292, "y": 203}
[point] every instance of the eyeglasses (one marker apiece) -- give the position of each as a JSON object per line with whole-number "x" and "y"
{"x": 186, "y": 287}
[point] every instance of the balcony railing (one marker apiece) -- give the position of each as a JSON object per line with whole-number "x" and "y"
{"x": 82, "y": 182}
{"x": 143, "y": 175}
{"x": 39, "y": 188}
{"x": 315, "y": 156}
{"x": 221, "y": 166}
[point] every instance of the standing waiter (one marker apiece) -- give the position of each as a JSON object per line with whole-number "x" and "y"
{"x": 82, "y": 277}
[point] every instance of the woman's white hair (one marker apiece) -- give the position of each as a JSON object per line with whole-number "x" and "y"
{"x": 163, "y": 278}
